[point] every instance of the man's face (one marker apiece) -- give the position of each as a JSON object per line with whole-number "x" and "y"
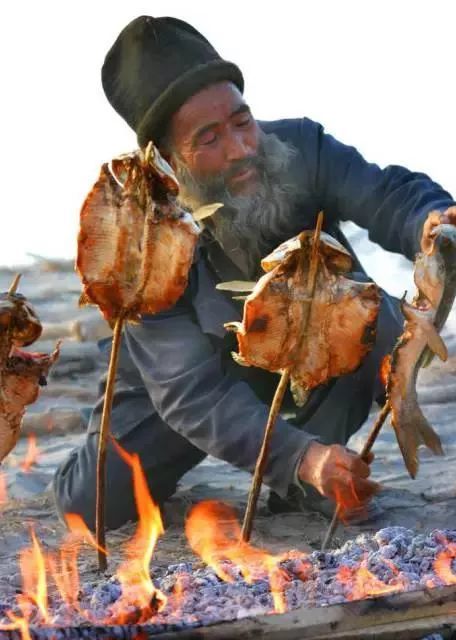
{"x": 215, "y": 134}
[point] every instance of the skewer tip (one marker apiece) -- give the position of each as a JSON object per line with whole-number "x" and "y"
{"x": 14, "y": 285}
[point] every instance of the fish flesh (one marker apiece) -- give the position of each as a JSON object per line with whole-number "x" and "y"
{"x": 23, "y": 375}
{"x": 135, "y": 244}
{"x": 435, "y": 279}
{"x": 341, "y": 326}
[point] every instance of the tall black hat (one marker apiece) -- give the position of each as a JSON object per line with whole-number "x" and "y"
{"x": 154, "y": 66}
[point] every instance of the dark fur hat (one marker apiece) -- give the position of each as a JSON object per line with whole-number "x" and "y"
{"x": 154, "y": 66}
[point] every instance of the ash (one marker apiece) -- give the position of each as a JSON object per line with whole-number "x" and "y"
{"x": 395, "y": 558}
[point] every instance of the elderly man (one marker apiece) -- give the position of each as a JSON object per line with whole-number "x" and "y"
{"x": 179, "y": 396}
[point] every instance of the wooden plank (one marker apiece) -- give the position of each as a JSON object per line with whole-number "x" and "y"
{"x": 384, "y": 617}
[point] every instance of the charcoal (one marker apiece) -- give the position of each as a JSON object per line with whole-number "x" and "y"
{"x": 394, "y": 555}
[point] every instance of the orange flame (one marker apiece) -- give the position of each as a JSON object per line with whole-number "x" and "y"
{"x": 138, "y": 589}
{"x": 33, "y": 569}
{"x": 214, "y": 534}
{"x": 385, "y": 369}
{"x": 32, "y": 456}
{"x": 362, "y": 583}
{"x": 3, "y": 490}
{"x": 443, "y": 564}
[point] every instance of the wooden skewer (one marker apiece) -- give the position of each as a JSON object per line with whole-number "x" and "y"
{"x": 14, "y": 285}
{"x": 262, "y": 459}
{"x": 371, "y": 438}
{"x": 100, "y": 529}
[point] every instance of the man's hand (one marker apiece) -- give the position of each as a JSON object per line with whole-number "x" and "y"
{"x": 339, "y": 474}
{"x": 433, "y": 220}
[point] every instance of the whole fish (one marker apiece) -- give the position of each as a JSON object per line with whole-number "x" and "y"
{"x": 435, "y": 279}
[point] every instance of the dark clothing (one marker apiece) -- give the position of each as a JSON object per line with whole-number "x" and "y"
{"x": 179, "y": 395}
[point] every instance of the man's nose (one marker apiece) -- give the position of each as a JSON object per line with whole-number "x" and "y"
{"x": 237, "y": 148}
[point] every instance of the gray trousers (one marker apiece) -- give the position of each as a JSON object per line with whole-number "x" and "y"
{"x": 166, "y": 456}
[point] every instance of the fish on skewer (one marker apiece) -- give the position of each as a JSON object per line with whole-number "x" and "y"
{"x": 135, "y": 244}
{"x": 22, "y": 377}
{"x": 435, "y": 279}
{"x": 341, "y": 326}
{"x": 135, "y": 250}
{"x": 21, "y": 372}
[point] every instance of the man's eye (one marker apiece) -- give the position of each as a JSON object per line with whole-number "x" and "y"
{"x": 207, "y": 138}
{"x": 244, "y": 122}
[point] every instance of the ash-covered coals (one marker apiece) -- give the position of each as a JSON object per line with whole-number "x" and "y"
{"x": 392, "y": 560}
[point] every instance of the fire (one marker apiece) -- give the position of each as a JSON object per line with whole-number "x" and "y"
{"x": 32, "y": 456}
{"x": 362, "y": 583}
{"x": 138, "y": 589}
{"x": 443, "y": 564}
{"x": 3, "y": 490}
{"x": 385, "y": 368}
{"x": 214, "y": 534}
{"x": 33, "y": 569}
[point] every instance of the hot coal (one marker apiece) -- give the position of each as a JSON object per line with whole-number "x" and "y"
{"x": 393, "y": 559}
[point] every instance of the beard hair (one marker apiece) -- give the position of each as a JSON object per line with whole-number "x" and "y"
{"x": 256, "y": 222}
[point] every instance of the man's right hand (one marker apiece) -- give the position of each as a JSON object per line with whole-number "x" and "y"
{"x": 339, "y": 474}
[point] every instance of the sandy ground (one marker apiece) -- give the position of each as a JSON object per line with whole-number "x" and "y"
{"x": 423, "y": 504}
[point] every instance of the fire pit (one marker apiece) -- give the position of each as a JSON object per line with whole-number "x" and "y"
{"x": 393, "y": 576}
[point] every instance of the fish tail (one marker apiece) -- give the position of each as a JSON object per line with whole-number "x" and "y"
{"x": 430, "y": 438}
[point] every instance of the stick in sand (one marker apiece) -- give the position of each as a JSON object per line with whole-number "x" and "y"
{"x": 371, "y": 438}
{"x": 279, "y": 393}
{"x": 100, "y": 533}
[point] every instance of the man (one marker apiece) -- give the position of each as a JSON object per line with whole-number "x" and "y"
{"x": 179, "y": 395}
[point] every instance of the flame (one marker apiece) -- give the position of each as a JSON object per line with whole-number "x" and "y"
{"x": 362, "y": 583}
{"x": 3, "y": 490}
{"x": 33, "y": 569}
{"x": 385, "y": 369}
{"x": 214, "y": 534}
{"x": 138, "y": 590}
{"x": 32, "y": 456}
{"x": 443, "y": 564}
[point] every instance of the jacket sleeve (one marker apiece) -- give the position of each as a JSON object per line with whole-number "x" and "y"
{"x": 391, "y": 203}
{"x": 184, "y": 375}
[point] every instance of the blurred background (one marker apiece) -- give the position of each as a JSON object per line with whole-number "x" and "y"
{"x": 377, "y": 75}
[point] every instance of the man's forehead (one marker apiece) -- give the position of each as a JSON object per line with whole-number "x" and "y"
{"x": 213, "y": 104}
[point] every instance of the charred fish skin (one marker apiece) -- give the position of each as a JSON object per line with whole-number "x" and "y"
{"x": 435, "y": 279}
{"x": 135, "y": 244}
{"x": 340, "y": 326}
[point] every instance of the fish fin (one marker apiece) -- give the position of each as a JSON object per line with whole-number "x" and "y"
{"x": 239, "y": 286}
{"x": 430, "y": 438}
{"x": 236, "y": 327}
{"x": 206, "y": 211}
{"x": 434, "y": 340}
{"x": 427, "y": 358}
{"x": 83, "y": 300}
{"x": 239, "y": 359}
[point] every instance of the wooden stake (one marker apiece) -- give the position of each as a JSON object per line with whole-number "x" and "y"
{"x": 371, "y": 438}
{"x": 100, "y": 532}
{"x": 262, "y": 459}
{"x": 14, "y": 285}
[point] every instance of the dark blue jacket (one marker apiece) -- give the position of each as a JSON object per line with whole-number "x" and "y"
{"x": 178, "y": 363}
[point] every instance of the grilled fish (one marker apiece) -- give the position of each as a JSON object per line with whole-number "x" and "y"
{"x": 23, "y": 374}
{"x": 435, "y": 279}
{"x": 341, "y": 326}
{"x": 135, "y": 244}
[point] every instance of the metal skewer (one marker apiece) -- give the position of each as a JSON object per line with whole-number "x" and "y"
{"x": 279, "y": 394}
{"x": 371, "y": 438}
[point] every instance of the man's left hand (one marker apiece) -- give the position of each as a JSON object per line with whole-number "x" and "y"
{"x": 434, "y": 219}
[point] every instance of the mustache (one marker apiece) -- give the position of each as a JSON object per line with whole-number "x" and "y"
{"x": 236, "y": 166}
